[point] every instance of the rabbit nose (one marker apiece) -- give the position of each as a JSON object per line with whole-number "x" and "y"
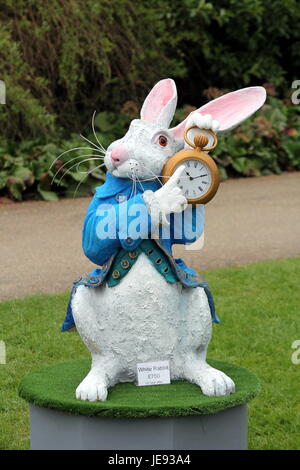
{"x": 119, "y": 155}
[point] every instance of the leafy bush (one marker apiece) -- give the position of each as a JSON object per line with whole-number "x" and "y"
{"x": 266, "y": 143}
{"x": 32, "y": 170}
{"x": 36, "y": 169}
{"x": 60, "y": 59}
{"x": 233, "y": 43}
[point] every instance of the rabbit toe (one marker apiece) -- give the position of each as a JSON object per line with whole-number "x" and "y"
{"x": 213, "y": 382}
{"x": 102, "y": 392}
{"x": 91, "y": 390}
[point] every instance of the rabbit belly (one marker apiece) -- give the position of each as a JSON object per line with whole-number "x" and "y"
{"x": 143, "y": 318}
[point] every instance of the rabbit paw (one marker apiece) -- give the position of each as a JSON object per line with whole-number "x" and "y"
{"x": 169, "y": 198}
{"x": 203, "y": 121}
{"x": 92, "y": 388}
{"x": 213, "y": 382}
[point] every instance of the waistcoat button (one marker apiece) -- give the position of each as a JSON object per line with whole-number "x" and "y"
{"x": 116, "y": 274}
{"x": 125, "y": 263}
{"x": 120, "y": 197}
{"x": 129, "y": 241}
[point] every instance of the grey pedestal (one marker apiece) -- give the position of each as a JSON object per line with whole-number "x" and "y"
{"x": 51, "y": 429}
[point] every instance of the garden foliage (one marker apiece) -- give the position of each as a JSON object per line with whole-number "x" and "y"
{"x": 266, "y": 143}
{"x": 61, "y": 60}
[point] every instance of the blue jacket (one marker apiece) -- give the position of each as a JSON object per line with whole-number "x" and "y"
{"x": 112, "y": 222}
{"x": 120, "y": 218}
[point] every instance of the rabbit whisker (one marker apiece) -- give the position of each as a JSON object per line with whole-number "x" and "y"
{"x": 76, "y": 164}
{"x": 137, "y": 179}
{"x": 88, "y": 171}
{"x": 168, "y": 176}
{"x": 92, "y": 143}
{"x": 134, "y": 184}
{"x": 91, "y": 171}
{"x": 71, "y": 160}
{"x": 140, "y": 182}
{"x": 85, "y": 176}
{"x": 131, "y": 186}
{"x": 94, "y": 132}
{"x": 133, "y": 189}
{"x": 155, "y": 177}
{"x": 72, "y": 150}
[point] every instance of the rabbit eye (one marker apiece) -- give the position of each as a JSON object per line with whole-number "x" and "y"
{"x": 162, "y": 140}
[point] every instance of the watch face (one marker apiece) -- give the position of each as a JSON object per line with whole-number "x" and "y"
{"x": 196, "y": 180}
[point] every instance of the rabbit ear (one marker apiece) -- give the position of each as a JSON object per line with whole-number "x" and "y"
{"x": 230, "y": 109}
{"x": 160, "y": 104}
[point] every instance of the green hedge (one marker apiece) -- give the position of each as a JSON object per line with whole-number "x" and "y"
{"x": 63, "y": 59}
{"x": 264, "y": 144}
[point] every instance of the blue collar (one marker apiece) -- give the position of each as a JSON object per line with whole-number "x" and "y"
{"x": 114, "y": 185}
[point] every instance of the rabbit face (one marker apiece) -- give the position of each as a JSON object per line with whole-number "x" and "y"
{"x": 142, "y": 152}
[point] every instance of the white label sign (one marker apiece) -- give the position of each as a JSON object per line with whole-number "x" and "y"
{"x": 153, "y": 373}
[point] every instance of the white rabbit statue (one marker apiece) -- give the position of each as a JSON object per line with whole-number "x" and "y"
{"x": 141, "y": 304}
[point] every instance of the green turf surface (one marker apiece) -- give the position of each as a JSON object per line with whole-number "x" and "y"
{"x": 260, "y": 319}
{"x": 54, "y": 387}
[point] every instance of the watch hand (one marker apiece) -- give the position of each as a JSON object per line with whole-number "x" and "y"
{"x": 200, "y": 176}
{"x": 191, "y": 178}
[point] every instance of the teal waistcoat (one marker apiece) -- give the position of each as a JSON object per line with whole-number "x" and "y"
{"x": 125, "y": 259}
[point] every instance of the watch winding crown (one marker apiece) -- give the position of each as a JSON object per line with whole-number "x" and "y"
{"x": 200, "y": 141}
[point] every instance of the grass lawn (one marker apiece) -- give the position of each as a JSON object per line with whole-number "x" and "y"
{"x": 259, "y": 306}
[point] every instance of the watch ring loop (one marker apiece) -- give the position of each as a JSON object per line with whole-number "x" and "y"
{"x": 205, "y": 149}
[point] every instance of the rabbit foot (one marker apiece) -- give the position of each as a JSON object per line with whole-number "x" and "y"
{"x": 92, "y": 388}
{"x": 212, "y": 382}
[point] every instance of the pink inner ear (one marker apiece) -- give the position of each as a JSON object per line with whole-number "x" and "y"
{"x": 230, "y": 109}
{"x": 160, "y": 95}
{"x": 233, "y": 108}
{"x": 179, "y": 130}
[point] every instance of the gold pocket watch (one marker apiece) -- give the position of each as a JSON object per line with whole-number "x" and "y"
{"x": 200, "y": 181}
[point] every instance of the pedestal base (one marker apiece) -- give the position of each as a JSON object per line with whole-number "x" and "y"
{"x": 51, "y": 429}
{"x": 162, "y": 417}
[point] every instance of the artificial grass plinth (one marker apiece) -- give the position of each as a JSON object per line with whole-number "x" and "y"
{"x": 54, "y": 387}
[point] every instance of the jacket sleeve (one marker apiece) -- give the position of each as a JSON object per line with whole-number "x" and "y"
{"x": 111, "y": 226}
{"x": 95, "y": 249}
